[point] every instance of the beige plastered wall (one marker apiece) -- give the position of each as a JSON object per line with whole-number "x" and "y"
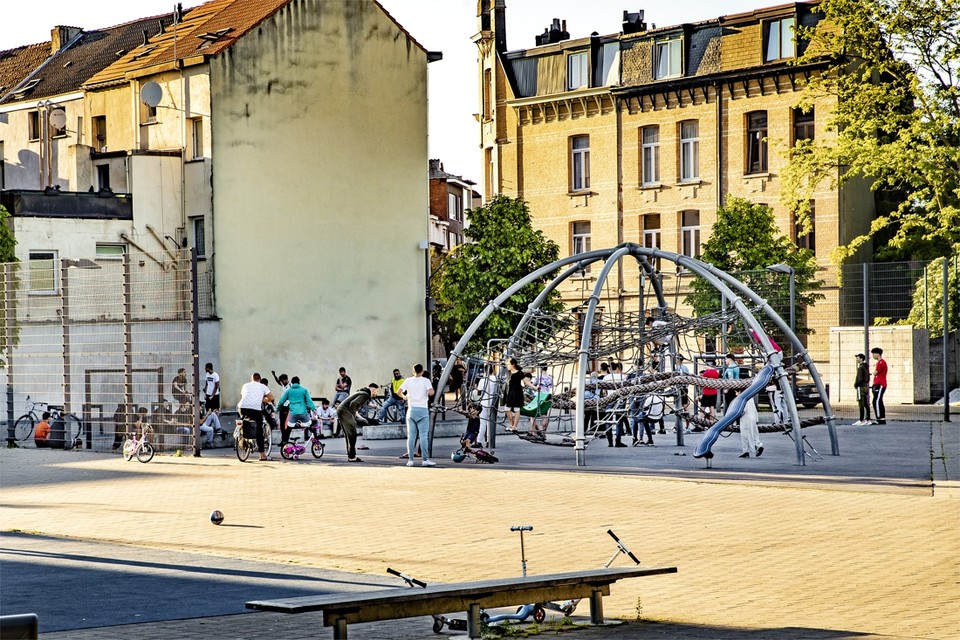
{"x": 320, "y": 196}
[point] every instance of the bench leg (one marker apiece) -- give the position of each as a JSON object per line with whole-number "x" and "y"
{"x": 596, "y": 607}
{"x": 473, "y": 620}
{"x": 340, "y": 629}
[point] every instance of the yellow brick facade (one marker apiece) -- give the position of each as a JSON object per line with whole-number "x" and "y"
{"x": 724, "y": 81}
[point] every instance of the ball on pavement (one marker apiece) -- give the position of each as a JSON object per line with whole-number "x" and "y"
{"x": 216, "y": 517}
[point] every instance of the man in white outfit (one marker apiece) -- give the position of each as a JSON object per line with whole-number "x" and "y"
{"x": 749, "y": 432}
{"x": 487, "y": 386}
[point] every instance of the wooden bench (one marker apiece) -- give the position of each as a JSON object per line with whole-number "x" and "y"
{"x": 340, "y": 609}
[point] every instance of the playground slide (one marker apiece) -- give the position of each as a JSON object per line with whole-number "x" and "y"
{"x": 734, "y": 411}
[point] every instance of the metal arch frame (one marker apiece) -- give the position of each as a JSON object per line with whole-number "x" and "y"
{"x": 719, "y": 279}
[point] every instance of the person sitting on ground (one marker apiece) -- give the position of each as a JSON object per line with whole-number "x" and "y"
{"x": 393, "y": 397}
{"x": 327, "y": 418}
{"x": 209, "y": 427}
{"x": 300, "y": 404}
{"x": 41, "y": 434}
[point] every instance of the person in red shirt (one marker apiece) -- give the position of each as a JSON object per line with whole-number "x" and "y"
{"x": 41, "y": 435}
{"x": 708, "y": 396}
{"x": 879, "y": 385}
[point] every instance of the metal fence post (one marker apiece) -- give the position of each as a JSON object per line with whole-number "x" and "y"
{"x": 946, "y": 339}
{"x": 10, "y": 318}
{"x": 866, "y": 310}
{"x": 195, "y": 330}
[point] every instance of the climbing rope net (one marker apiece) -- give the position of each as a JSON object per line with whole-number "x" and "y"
{"x": 618, "y": 358}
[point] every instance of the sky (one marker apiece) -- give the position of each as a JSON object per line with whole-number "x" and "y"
{"x": 439, "y": 25}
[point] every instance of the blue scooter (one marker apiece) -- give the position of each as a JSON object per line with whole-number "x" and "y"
{"x": 525, "y": 611}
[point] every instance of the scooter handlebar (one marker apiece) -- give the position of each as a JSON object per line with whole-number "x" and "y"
{"x": 623, "y": 547}
{"x": 525, "y": 527}
{"x": 406, "y": 578}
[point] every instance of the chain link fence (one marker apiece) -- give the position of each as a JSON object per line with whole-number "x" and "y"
{"x": 105, "y": 345}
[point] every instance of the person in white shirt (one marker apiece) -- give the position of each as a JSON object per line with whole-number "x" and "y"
{"x": 487, "y": 388}
{"x": 544, "y": 385}
{"x": 252, "y": 396}
{"x": 326, "y": 415}
{"x": 417, "y": 391}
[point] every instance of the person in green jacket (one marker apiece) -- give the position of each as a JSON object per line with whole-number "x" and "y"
{"x": 347, "y": 417}
{"x": 300, "y": 405}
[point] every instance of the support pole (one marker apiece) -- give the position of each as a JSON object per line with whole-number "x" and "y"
{"x": 946, "y": 339}
{"x": 195, "y": 356}
{"x": 596, "y": 607}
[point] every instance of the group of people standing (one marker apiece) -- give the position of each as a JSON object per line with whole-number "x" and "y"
{"x": 863, "y": 388}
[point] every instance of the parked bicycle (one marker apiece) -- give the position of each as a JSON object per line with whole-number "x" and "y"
{"x": 137, "y": 445}
{"x": 23, "y": 427}
{"x": 245, "y": 446}
{"x": 371, "y": 412}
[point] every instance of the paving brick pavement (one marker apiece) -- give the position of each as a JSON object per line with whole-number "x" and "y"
{"x": 857, "y": 545}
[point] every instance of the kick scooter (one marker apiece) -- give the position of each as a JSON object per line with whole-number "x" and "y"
{"x": 438, "y": 621}
{"x": 567, "y": 608}
{"x": 524, "y": 611}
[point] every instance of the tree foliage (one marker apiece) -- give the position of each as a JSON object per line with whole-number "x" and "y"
{"x": 894, "y": 68}
{"x": 744, "y": 242}
{"x": 504, "y": 249}
{"x": 927, "y": 309}
{"x": 7, "y": 241}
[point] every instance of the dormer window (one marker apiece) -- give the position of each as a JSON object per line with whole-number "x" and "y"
{"x": 778, "y": 39}
{"x": 577, "y": 71}
{"x": 667, "y": 59}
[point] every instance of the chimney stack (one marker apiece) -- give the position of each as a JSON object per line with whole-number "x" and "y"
{"x": 500, "y": 25}
{"x": 633, "y": 22}
{"x": 60, "y": 36}
{"x": 556, "y": 33}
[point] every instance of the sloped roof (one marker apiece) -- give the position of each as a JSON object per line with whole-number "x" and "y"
{"x": 205, "y": 30}
{"x": 89, "y": 53}
{"x": 17, "y": 64}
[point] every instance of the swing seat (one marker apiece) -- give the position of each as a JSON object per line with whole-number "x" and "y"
{"x": 539, "y": 406}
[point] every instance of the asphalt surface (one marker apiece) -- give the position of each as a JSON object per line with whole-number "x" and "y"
{"x": 857, "y": 545}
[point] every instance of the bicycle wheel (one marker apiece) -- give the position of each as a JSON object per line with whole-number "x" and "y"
{"x": 393, "y": 413}
{"x": 72, "y": 428}
{"x": 316, "y": 448}
{"x": 242, "y": 447}
{"x": 286, "y": 451}
{"x": 145, "y": 452}
{"x": 23, "y": 427}
{"x": 267, "y": 440}
{"x": 129, "y": 448}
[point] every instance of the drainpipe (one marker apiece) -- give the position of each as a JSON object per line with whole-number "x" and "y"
{"x": 718, "y": 88}
{"x": 620, "y": 288}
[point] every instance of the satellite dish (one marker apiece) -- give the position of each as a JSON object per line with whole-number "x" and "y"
{"x": 58, "y": 118}
{"x": 150, "y": 94}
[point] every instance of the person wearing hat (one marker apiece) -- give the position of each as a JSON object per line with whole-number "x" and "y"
{"x": 862, "y": 385}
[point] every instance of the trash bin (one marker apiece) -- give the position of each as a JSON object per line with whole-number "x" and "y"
{"x": 57, "y": 435}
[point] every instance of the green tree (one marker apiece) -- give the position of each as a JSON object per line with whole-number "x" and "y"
{"x": 927, "y": 309}
{"x": 743, "y": 242}
{"x": 7, "y": 241}
{"x": 894, "y": 68}
{"x": 7, "y": 254}
{"x": 504, "y": 248}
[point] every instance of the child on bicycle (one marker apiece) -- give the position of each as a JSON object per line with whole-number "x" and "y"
{"x": 142, "y": 426}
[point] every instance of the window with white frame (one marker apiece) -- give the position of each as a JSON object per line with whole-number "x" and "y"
{"x": 580, "y": 238}
{"x": 199, "y": 236}
{"x": 579, "y": 163}
{"x": 778, "y": 39}
{"x": 690, "y": 233}
{"x": 578, "y": 71}
{"x": 196, "y": 137}
{"x": 110, "y": 251}
{"x": 33, "y": 125}
{"x": 455, "y": 207}
{"x": 668, "y": 59}
{"x": 757, "y": 142}
{"x": 43, "y": 272}
{"x": 650, "y": 155}
{"x": 650, "y": 231}
{"x": 689, "y": 150}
